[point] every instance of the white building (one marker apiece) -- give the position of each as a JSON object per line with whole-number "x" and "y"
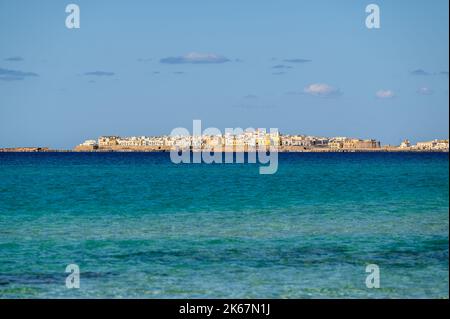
{"x": 405, "y": 144}
{"x": 89, "y": 143}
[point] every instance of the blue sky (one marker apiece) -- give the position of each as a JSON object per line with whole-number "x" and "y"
{"x": 146, "y": 67}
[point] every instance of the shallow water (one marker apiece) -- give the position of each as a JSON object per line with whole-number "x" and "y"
{"x": 139, "y": 226}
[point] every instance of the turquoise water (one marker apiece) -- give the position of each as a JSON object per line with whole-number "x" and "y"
{"x": 139, "y": 226}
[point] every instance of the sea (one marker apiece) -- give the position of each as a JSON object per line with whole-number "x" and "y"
{"x": 136, "y": 225}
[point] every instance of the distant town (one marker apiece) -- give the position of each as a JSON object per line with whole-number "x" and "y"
{"x": 251, "y": 141}
{"x": 241, "y": 142}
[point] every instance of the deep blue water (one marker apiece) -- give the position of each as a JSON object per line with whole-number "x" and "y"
{"x": 140, "y": 226}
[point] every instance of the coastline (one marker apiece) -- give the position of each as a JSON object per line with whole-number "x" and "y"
{"x": 154, "y": 150}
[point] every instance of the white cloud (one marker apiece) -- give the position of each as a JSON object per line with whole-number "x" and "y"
{"x": 425, "y": 90}
{"x": 321, "y": 89}
{"x": 385, "y": 94}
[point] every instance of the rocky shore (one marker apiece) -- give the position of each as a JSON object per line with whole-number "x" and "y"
{"x": 26, "y": 149}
